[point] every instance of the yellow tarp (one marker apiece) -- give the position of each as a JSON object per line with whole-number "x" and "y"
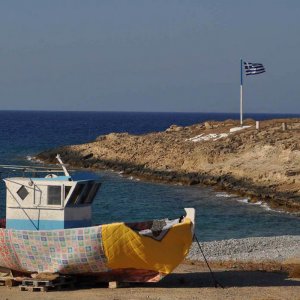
{"x": 125, "y": 248}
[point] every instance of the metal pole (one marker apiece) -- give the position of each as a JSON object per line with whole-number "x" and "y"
{"x": 62, "y": 165}
{"x": 241, "y": 95}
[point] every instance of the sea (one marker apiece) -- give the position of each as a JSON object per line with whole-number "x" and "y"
{"x": 219, "y": 215}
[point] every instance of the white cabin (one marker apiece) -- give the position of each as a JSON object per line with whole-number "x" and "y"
{"x": 53, "y": 202}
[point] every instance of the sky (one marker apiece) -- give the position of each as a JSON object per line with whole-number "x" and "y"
{"x": 149, "y": 55}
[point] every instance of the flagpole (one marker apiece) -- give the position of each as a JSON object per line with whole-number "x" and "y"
{"x": 241, "y": 95}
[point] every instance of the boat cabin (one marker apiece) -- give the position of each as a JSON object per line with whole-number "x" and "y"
{"x": 52, "y": 202}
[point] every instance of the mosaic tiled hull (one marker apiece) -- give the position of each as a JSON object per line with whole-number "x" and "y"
{"x": 113, "y": 251}
{"x": 65, "y": 251}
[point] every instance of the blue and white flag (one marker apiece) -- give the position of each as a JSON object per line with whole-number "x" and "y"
{"x": 253, "y": 68}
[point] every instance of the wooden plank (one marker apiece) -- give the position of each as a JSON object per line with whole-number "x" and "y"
{"x": 34, "y": 284}
{"x": 117, "y": 284}
{"x": 8, "y": 281}
{"x": 33, "y": 288}
{"x": 112, "y": 285}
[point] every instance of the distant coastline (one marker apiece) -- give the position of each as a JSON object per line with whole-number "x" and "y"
{"x": 261, "y": 164}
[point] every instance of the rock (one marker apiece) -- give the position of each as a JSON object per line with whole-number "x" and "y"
{"x": 174, "y": 128}
{"x": 207, "y": 125}
{"x": 101, "y": 138}
{"x": 116, "y": 136}
{"x": 88, "y": 156}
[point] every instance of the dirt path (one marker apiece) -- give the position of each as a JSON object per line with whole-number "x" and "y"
{"x": 187, "y": 282}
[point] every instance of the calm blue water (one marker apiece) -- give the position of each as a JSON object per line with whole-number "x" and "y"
{"x": 218, "y": 217}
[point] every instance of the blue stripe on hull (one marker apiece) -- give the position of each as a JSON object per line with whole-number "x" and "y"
{"x": 45, "y": 224}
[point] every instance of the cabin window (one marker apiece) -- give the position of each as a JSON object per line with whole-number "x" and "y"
{"x": 22, "y": 192}
{"x": 75, "y": 197}
{"x": 92, "y": 193}
{"x": 86, "y": 192}
{"x": 54, "y": 195}
{"x": 67, "y": 190}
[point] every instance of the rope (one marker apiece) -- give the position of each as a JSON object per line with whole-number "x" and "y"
{"x": 214, "y": 280}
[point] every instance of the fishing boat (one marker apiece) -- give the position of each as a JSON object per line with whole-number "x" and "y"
{"x": 49, "y": 229}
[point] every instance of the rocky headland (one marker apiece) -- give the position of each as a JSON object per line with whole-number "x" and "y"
{"x": 263, "y": 164}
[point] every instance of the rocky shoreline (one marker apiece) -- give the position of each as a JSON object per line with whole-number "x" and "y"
{"x": 263, "y": 164}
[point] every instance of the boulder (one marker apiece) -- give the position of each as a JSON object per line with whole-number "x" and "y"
{"x": 174, "y": 128}
{"x": 208, "y": 125}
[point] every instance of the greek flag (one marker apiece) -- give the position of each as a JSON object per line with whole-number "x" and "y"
{"x": 253, "y": 68}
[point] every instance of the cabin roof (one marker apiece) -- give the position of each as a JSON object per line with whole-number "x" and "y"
{"x": 76, "y": 177}
{"x": 58, "y": 178}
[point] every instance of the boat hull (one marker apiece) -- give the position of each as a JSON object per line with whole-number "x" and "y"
{"x": 112, "y": 252}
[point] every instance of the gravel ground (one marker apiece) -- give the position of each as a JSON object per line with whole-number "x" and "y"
{"x": 278, "y": 248}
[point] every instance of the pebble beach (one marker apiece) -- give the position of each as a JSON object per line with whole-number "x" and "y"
{"x": 257, "y": 249}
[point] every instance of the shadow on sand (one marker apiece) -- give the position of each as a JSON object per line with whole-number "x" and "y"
{"x": 226, "y": 278}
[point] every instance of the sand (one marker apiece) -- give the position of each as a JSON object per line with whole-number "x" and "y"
{"x": 187, "y": 282}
